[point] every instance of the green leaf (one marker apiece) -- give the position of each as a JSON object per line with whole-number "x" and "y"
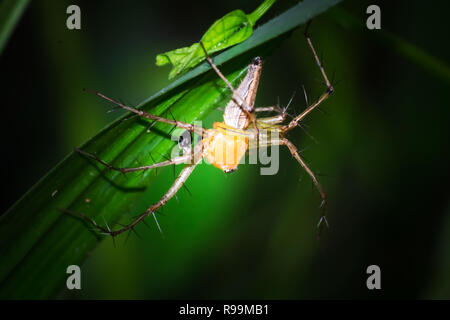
{"x": 38, "y": 243}
{"x": 229, "y": 30}
{"x": 10, "y": 13}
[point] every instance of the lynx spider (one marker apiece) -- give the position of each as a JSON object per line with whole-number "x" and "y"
{"x": 240, "y": 128}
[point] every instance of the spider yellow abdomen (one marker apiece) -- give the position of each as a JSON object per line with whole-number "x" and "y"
{"x": 224, "y": 149}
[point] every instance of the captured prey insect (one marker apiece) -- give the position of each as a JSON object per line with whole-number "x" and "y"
{"x": 227, "y": 142}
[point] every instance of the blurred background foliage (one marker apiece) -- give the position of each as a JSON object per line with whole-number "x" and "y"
{"x": 383, "y": 153}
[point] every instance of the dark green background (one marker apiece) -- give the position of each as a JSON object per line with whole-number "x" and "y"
{"x": 382, "y": 153}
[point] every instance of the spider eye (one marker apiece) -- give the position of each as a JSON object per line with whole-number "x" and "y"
{"x": 184, "y": 141}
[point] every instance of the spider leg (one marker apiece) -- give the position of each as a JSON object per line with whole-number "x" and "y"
{"x": 177, "y": 160}
{"x": 270, "y": 120}
{"x": 245, "y": 106}
{"x": 179, "y": 182}
{"x": 294, "y": 151}
{"x": 323, "y": 97}
{"x": 186, "y": 126}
